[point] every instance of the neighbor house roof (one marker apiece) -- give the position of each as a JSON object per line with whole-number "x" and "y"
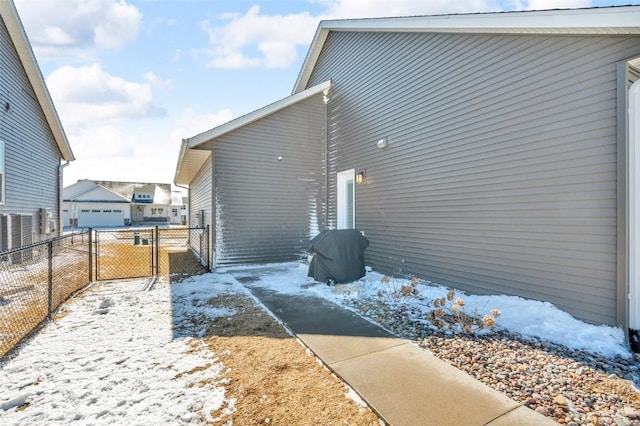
{"x": 19, "y": 39}
{"x": 190, "y": 159}
{"x": 86, "y": 191}
{"x": 161, "y": 192}
{"x": 620, "y": 20}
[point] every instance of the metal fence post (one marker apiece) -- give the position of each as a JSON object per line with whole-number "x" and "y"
{"x": 157, "y": 251}
{"x": 50, "y": 280}
{"x": 90, "y": 255}
{"x": 208, "y": 249}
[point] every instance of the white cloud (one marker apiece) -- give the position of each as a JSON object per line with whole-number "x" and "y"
{"x": 556, "y": 4}
{"x": 88, "y": 94}
{"x": 76, "y": 28}
{"x": 253, "y": 39}
{"x": 133, "y": 152}
{"x": 257, "y": 40}
{"x": 128, "y": 154}
{"x": 190, "y": 124}
{"x": 340, "y": 9}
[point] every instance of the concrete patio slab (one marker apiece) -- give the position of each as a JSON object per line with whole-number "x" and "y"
{"x": 409, "y": 386}
{"x": 404, "y": 384}
{"x": 521, "y": 416}
{"x": 342, "y": 348}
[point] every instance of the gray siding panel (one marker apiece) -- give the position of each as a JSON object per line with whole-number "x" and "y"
{"x": 31, "y": 154}
{"x": 201, "y": 203}
{"x": 500, "y": 174}
{"x": 269, "y": 209}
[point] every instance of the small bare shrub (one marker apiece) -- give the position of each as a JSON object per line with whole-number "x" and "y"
{"x": 450, "y": 312}
{"x": 398, "y": 292}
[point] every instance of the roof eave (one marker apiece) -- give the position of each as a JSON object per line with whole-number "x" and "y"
{"x": 190, "y": 161}
{"x": 20, "y": 41}
{"x": 620, "y": 20}
{"x": 258, "y": 114}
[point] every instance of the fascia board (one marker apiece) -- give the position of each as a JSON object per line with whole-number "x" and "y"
{"x": 181, "y": 154}
{"x": 621, "y": 20}
{"x": 100, "y": 193}
{"x": 258, "y": 114}
{"x": 20, "y": 41}
{"x": 189, "y": 162}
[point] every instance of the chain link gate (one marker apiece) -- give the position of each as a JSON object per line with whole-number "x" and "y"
{"x": 134, "y": 253}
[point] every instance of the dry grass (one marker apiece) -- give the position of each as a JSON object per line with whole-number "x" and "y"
{"x": 123, "y": 260}
{"x": 14, "y": 326}
{"x": 272, "y": 377}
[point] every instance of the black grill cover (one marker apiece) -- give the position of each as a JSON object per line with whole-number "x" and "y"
{"x": 338, "y": 255}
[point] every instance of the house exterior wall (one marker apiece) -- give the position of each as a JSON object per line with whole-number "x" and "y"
{"x": 201, "y": 205}
{"x": 500, "y": 171}
{"x": 94, "y": 214}
{"x": 269, "y": 186}
{"x": 32, "y": 157}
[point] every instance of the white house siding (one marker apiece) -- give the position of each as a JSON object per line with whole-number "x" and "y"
{"x": 31, "y": 154}
{"x": 269, "y": 185}
{"x": 500, "y": 170}
{"x": 201, "y": 205}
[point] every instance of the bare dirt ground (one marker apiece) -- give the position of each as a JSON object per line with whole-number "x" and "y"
{"x": 274, "y": 379}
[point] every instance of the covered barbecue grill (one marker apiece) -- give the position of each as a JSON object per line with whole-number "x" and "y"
{"x": 338, "y": 256}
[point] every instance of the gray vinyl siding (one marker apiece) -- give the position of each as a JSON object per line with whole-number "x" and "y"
{"x": 31, "y": 154}
{"x": 500, "y": 173}
{"x": 269, "y": 209}
{"x": 201, "y": 203}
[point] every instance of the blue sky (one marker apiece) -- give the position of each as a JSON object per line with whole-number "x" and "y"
{"x": 131, "y": 78}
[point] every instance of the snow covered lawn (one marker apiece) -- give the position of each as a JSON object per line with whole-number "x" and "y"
{"x": 127, "y": 352}
{"x": 201, "y": 351}
{"x": 112, "y": 358}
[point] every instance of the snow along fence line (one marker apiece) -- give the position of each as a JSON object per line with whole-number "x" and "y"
{"x": 35, "y": 279}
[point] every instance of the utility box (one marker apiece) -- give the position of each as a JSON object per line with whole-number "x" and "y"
{"x": 46, "y": 220}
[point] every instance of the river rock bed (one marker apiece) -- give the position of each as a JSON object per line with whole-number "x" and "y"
{"x": 569, "y": 386}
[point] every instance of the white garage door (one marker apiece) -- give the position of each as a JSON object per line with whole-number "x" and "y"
{"x": 100, "y": 217}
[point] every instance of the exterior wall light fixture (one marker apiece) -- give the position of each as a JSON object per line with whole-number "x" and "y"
{"x": 360, "y": 176}
{"x": 382, "y": 143}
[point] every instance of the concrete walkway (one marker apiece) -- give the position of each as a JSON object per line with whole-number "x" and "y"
{"x": 404, "y": 384}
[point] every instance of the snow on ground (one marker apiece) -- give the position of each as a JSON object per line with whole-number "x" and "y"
{"x": 530, "y": 318}
{"x": 123, "y": 354}
{"x": 127, "y": 353}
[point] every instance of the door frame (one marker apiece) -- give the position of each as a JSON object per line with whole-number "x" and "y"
{"x": 344, "y": 198}
{"x": 634, "y": 206}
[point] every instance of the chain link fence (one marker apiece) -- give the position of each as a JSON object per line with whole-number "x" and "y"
{"x": 131, "y": 253}
{"x": 182, "y": 252}
{"x": 126, "y": 253}
{"x": 36, "y": 279}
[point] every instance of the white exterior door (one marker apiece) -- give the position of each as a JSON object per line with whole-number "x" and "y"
{"x": 347, "y": 199}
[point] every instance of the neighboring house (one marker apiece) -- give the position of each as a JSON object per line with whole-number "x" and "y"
{"x": 495, "y": 152}
{"x": 178, "y": 209}
{"x": 33, "y": 144}
{"x": 88, "y": 204}
{"x": 110, "y": 203}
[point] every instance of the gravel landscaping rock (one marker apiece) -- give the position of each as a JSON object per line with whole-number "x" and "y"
{"x": 572, "y": 387}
